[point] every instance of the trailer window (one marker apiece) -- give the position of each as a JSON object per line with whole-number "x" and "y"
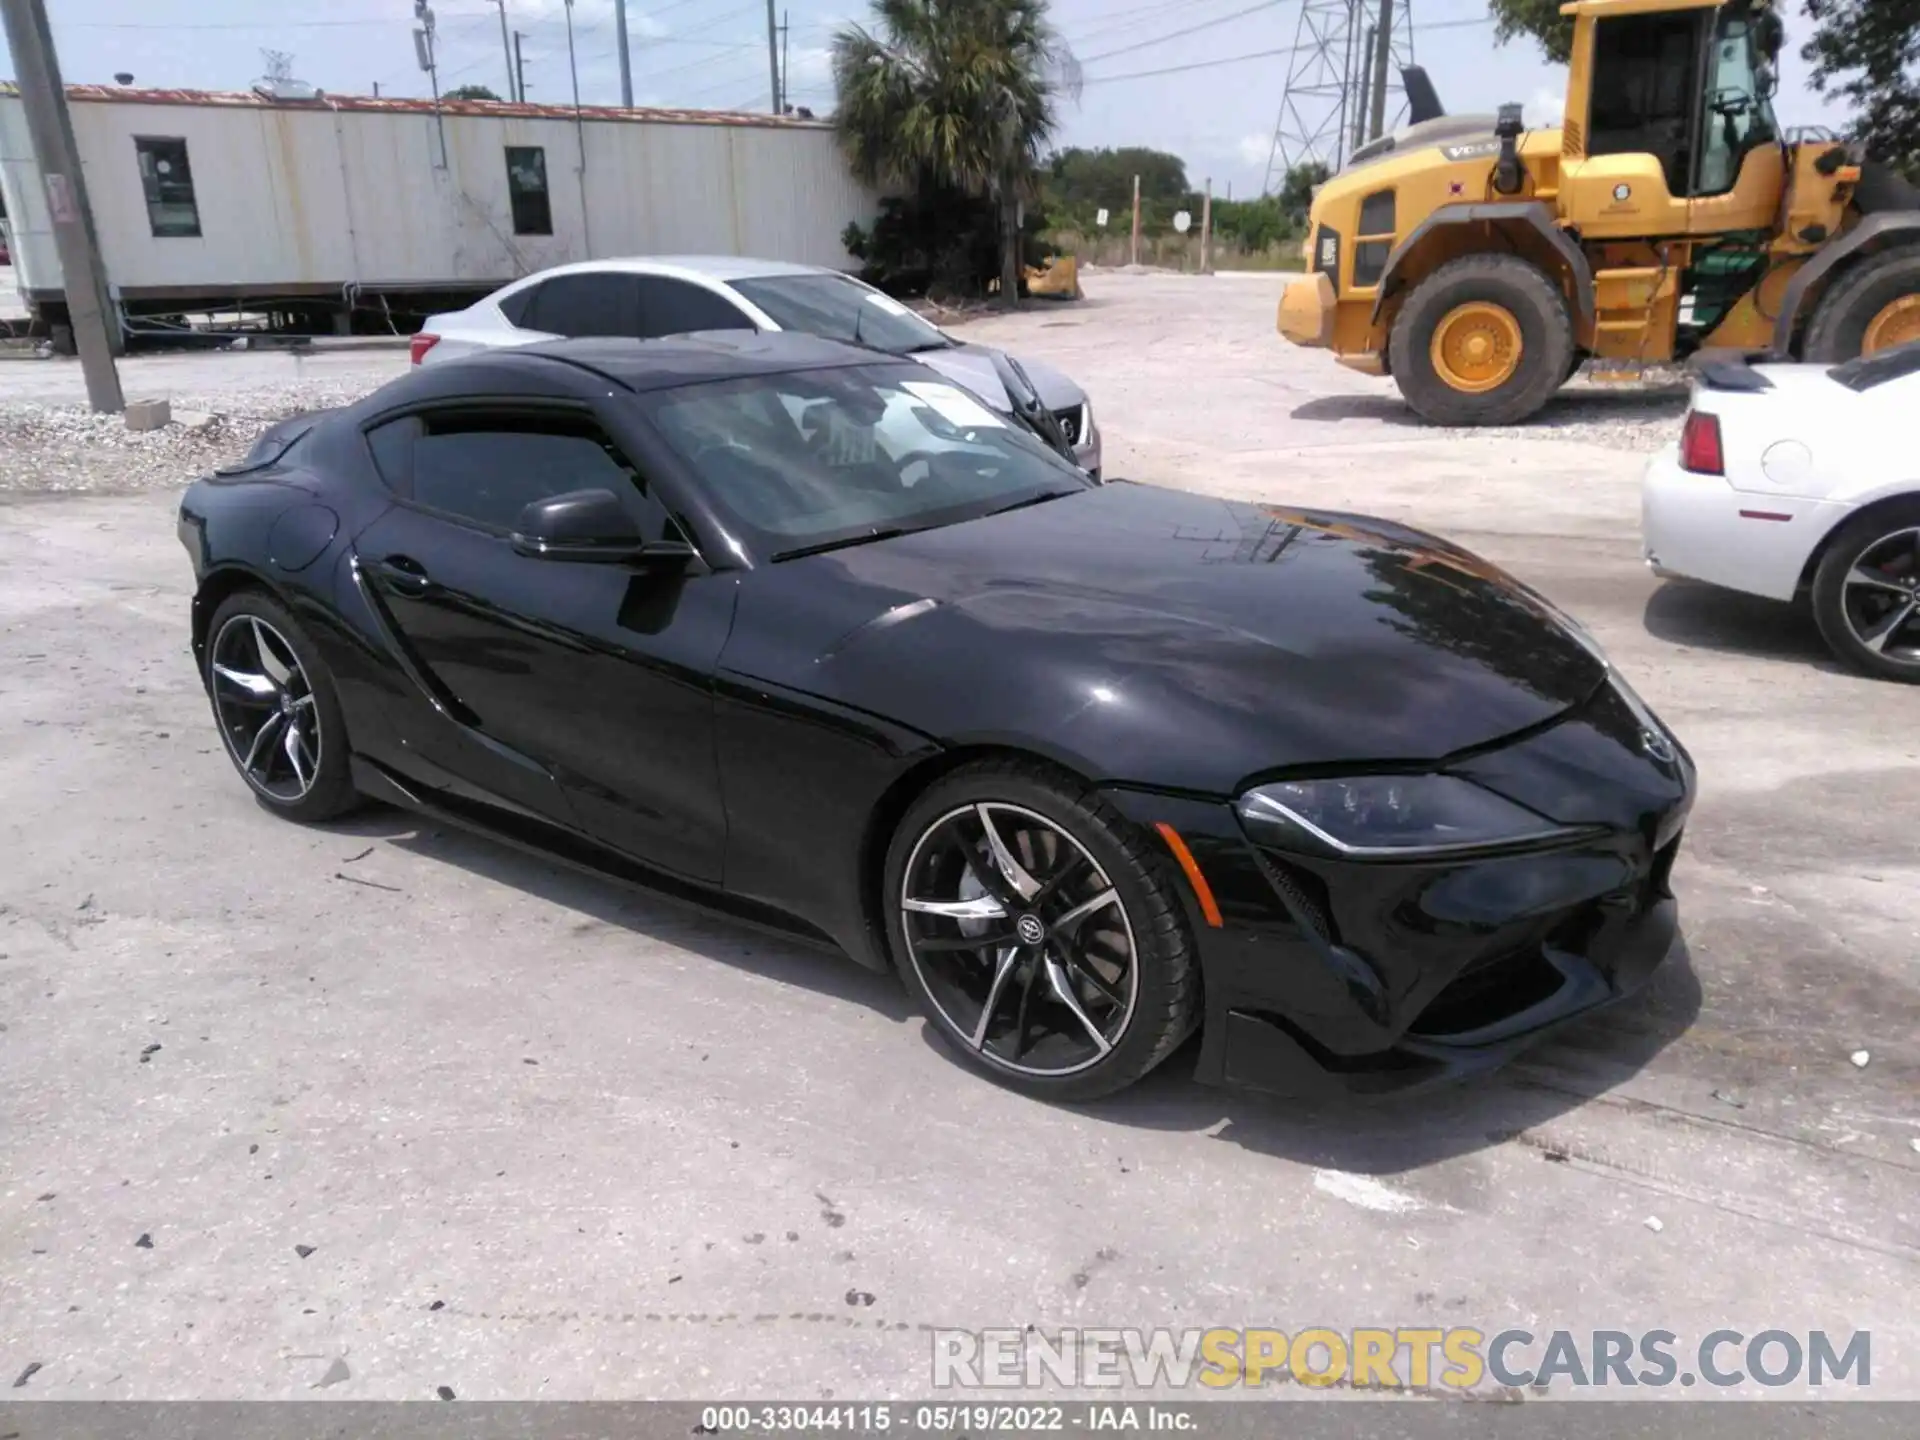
{"x": 168, "y": 181}
{"x": 527, "y": 189}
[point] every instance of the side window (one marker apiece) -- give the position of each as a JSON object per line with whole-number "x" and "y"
{"x": 392, "y": 447}
{"x": 527, "y": 190}
{"x": 675, "y": 307}
{"x": 485, "y": 467}
{"x": 1739, "y": 114}
{"x": 592, "y": 303}
{"x": 1646, "y": 90}
{"x": 167, "y": 180}
{"x": 516, "y": 305}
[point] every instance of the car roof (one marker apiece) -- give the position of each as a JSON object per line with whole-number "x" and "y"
{"x": 648, "y": 365}
{"x": 704, "y": 267}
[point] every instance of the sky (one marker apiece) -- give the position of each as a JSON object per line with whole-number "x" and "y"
{"x": 1216, "y": 107}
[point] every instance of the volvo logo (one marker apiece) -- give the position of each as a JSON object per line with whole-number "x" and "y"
{"x": 1657, "y": 745}
{"x": 1030, "y": 930}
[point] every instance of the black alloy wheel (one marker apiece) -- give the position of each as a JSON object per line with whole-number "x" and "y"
{"x": 1038, "y": 932}
{"x": 276, "y": 709}
{"x": 1866, "y": 594}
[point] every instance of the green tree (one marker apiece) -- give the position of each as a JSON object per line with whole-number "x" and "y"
{"x": 954, "y": 93}
{"x": 1296, "y": 191}
{"x": 1081, "y": 182}
{"x": 470, "y": 92}
{"x": 1540, "y": 19}
{"x": 1868, "y": 52}
{"x": 1865, "y": 51}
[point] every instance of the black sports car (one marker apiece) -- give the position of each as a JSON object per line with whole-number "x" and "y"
{"x": 815, "y": 638}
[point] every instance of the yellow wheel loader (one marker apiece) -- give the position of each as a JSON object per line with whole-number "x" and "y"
{"x": 1481, "y": 264}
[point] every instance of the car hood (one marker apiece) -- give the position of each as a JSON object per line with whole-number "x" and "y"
{"x": 971, "y": 366}
{"x": 1164, "y": 638}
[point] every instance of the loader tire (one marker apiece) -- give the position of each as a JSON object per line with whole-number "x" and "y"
{"x": 1873, "y": 306}
{"x": 1484, "y": 340}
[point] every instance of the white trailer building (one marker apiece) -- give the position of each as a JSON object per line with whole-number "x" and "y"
{"x": 350, "y": 210}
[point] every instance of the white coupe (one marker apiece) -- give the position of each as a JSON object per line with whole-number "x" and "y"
{"x": 1802, "y": 481}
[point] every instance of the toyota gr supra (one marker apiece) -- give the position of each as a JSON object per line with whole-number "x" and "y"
{"x": 813, "y": 637}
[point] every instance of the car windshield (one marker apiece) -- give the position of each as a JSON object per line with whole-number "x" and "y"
{"x": 841, "y": 309}
{"x": 820, "y": 459}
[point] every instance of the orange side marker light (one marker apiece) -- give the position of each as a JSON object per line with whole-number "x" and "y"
{"x": 1202, "y": 891}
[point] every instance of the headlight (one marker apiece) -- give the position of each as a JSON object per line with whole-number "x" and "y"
{"x": 1388, "y": 816}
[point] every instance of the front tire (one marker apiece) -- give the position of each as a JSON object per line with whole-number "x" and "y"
{"x": 1484, "y": 340}
{"x": 1866, "y": 593}
{"x": 277, "y": 710}
{"x": 1039, "y": 931}
{"x": 1874, "y": 306}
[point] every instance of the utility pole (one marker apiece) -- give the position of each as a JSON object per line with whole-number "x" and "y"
{"x": 507, "y": 50}
{"x": 519, "y": 69}
{"x": 580, "y": 135}
{"x": 773, "y": 54}
{"x": 50, "y": 128}
{"x": 1134, "y": 251}
{"x": 1380, "y": 58}
{"x": 620, "y": 44}
{"x": 786, "y": 57}
{"x": 1206, "y": 230}
{"x": 423, "y": 48}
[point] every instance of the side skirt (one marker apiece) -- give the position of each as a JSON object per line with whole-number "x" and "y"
{"x": 546, "y": 842}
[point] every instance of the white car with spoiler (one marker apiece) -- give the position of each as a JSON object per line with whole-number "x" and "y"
{"x": 1794, "y": 481}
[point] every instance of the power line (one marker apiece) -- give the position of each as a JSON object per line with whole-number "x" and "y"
{"x": 1142, "y": 15}
{"x": 1190, "y": 30}
{"x": 395, "y": 21}
{"x": 698, "y": 64}
{"x": 1257, "y": 55}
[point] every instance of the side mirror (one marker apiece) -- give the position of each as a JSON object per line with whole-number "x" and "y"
{"x": 590, "y": 527}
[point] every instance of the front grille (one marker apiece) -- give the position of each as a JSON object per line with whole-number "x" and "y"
{"x": 1489, "y": 991}
{"x": 1070, "y": 423}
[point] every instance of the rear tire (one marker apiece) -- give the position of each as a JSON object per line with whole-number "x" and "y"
{"x": 267, "y": 682}
{"x": 1519, "y": 378}
{"x": 1079, "y": 1008}
{"x": 1874, "y": 305}
{"x": 1868, "y": 578}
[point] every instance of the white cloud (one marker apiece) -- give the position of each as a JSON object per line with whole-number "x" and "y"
{"x": 812, "y": 65}
{"x": 1254, "y": 149}
{"x": 1546, "y": 108}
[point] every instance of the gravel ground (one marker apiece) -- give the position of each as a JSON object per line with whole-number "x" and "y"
{"x": 66, "y": 449}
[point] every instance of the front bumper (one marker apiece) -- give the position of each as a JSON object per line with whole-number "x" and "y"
{"x": 1306, "y": 311}
{"x": 1330, "y": 977}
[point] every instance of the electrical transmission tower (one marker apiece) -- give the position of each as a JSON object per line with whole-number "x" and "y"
{"x": 1325, "y": 104}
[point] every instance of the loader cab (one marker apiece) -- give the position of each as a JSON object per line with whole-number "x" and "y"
{"x": 1689, "y": 85}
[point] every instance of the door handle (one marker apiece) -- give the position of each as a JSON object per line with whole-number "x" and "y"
{"x": 404, "y": 574}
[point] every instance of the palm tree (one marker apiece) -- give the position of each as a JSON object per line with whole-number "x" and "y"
{"x": 956, "y": 93}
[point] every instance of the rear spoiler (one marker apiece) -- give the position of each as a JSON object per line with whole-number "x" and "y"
{"x": 1870, "y": 370}
{"x": 1729, "y": 370}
